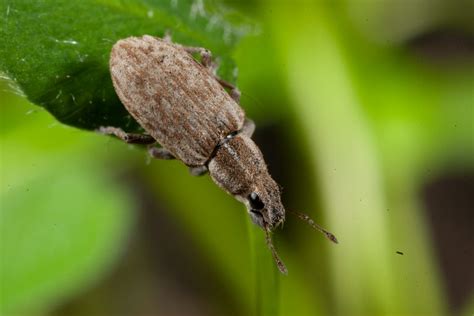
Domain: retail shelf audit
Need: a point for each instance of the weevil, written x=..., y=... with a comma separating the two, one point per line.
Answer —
x=195, y=116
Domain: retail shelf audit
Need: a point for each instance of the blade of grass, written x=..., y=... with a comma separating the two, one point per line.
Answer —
x=344, y=149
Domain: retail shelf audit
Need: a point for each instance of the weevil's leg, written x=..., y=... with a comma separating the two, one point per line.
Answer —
x=129, y=138
x=234, y=91
x=198, y=171
x=167, y=36
x=160, y=153
x=211, y=65
x=206, y=55
x=248, y=128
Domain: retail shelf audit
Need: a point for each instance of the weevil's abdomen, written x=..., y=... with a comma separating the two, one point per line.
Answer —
x=173, y=97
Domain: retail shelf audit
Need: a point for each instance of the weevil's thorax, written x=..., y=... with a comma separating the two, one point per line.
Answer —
x=238, y=168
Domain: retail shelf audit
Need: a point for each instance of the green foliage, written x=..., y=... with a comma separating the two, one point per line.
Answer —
x=57, y=52
x=59, y=245
x=62, y=220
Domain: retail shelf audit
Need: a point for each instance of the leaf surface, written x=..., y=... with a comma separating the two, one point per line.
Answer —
x=56, y=52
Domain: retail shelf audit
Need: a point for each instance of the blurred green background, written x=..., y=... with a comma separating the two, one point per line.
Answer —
x=365, y=115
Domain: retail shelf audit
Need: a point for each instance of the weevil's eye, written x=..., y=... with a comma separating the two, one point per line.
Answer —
x=255, y=202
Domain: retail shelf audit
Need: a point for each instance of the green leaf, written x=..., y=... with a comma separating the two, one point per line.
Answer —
x=56, y=52
x=57, y=241
x=63, y=220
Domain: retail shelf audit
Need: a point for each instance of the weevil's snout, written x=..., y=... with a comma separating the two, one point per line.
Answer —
x=266, y=210
x=264, y=205
x=264, y=218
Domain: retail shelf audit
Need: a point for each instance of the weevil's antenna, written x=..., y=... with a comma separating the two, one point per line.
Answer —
x=311, y=222
x=281, y=266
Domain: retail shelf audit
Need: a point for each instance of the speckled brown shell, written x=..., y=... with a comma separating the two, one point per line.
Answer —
x=173, y=97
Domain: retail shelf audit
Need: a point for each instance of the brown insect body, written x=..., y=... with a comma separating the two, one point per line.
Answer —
x=173, y=97
x=183, y=106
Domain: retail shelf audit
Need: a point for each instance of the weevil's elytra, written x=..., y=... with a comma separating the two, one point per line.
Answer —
x=175, y=99
x=184, y=107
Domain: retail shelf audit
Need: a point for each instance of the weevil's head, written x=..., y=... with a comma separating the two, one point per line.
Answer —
x=238, y=167
x=264, y=204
